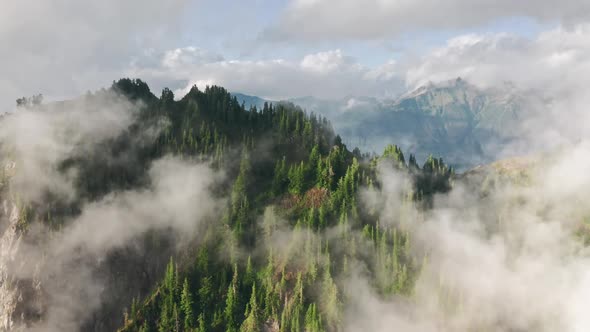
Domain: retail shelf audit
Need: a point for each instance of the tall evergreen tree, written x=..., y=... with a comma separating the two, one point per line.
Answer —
x=186, y=304
x=251, y=323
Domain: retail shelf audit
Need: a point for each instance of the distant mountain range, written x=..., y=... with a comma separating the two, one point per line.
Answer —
x=250, y=101
x=464, y=124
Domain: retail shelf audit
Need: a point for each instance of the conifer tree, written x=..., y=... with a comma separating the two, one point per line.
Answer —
x=251, y=323
x=231, y=303
x=186, y=304
x=312, y=319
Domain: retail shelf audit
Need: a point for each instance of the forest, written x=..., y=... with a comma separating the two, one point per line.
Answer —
x=290, y=230
x=311, y=197
x=124, y=211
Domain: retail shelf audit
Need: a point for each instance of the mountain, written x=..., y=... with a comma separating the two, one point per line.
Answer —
x=465, y=124
x=124, y=210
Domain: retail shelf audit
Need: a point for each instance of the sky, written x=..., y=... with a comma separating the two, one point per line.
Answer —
x=288, y=48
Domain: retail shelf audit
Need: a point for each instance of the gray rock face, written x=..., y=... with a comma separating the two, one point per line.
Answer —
x=9, y=243
x=20, y=297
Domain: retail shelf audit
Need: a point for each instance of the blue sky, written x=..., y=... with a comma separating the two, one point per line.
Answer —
x=286, y=48
x=233, y=27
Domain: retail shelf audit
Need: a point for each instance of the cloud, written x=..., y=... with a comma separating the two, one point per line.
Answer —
x=508, y=260
x=59, y=278
x=188, y=56
x=38, y=140
x=179, y=200
x=328, y=74
x=63, y=48
x=555, y=64
x=327, y=20
x=491, y=59
x=329, y=61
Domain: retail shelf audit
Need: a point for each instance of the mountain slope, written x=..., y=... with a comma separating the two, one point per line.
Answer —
x=123, y=210
x=192, y=214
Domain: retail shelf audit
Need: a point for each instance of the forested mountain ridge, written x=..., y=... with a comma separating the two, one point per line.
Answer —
x=286, y=176
x=126, y=211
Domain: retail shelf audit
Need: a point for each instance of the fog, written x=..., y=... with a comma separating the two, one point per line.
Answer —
x=60, y=265
x=508, y=256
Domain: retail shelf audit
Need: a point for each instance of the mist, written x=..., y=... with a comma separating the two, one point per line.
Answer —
x=508, y=255
x=52, y=276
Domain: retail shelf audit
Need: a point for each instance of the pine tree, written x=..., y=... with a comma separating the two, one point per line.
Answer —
x=201, y=324
x=251, y=323
x=395, y=154
x=296, y=179
x=330, y=301
x=205, y=294
x=186, y=304
x=176, y=319
x=231, y=303
x=250, y=274
x=165, y=323
x=280, y=177
x=313, y=322
x=311, y=169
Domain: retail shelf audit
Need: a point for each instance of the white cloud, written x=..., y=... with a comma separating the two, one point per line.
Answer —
x=329, y=74
x=65, y=47
x=490, y=264
x=556, y=63
x=328, y=61
x=180, y=57
x=38, y=141
x=318, y=20
x=66, y=264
